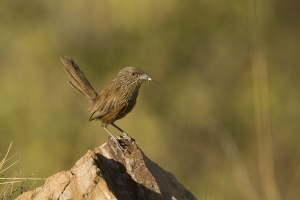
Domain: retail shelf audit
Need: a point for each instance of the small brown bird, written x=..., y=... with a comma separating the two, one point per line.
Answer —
x=115, y=101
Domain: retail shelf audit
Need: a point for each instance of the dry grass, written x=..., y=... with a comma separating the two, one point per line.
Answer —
x=14, y=185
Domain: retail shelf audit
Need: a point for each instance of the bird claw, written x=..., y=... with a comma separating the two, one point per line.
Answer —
x=118, y=142
x=120, y=147
x=126, y=136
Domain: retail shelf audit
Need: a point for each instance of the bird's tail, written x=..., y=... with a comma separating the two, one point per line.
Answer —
x=78, y=80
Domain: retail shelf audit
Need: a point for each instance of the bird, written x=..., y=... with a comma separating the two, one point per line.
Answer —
x=115, y=101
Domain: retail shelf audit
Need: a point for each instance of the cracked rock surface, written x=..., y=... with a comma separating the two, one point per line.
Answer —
x=107, y=173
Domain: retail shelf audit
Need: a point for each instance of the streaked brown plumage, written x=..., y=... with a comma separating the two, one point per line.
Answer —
x=115, y=101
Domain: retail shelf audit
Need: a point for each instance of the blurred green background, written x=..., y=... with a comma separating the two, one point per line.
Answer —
x=203, y=52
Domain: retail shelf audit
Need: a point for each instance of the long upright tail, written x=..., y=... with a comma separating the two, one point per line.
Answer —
x=78, y=80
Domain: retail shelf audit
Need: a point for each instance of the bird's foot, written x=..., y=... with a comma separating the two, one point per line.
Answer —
x=120, y=145
x=126, y=136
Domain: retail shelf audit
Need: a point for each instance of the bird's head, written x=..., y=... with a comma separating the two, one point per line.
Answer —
x=132, y=75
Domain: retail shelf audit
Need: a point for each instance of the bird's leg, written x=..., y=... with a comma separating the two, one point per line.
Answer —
x=115, y=140
x=123, y=132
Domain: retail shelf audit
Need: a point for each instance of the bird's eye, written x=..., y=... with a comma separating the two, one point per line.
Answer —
x=134, y=74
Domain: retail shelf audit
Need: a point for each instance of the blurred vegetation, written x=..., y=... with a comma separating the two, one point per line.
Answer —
x=201, y=51
x=13, y=185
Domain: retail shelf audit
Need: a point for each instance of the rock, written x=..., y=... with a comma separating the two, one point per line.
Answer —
x=107, y=173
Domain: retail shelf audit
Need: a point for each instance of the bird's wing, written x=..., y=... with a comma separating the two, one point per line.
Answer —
x=103, y=105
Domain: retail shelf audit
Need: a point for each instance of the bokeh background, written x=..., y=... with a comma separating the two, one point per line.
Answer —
x=226, y=122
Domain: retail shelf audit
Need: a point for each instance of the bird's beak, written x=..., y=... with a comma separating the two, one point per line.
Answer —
x=146, y=78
